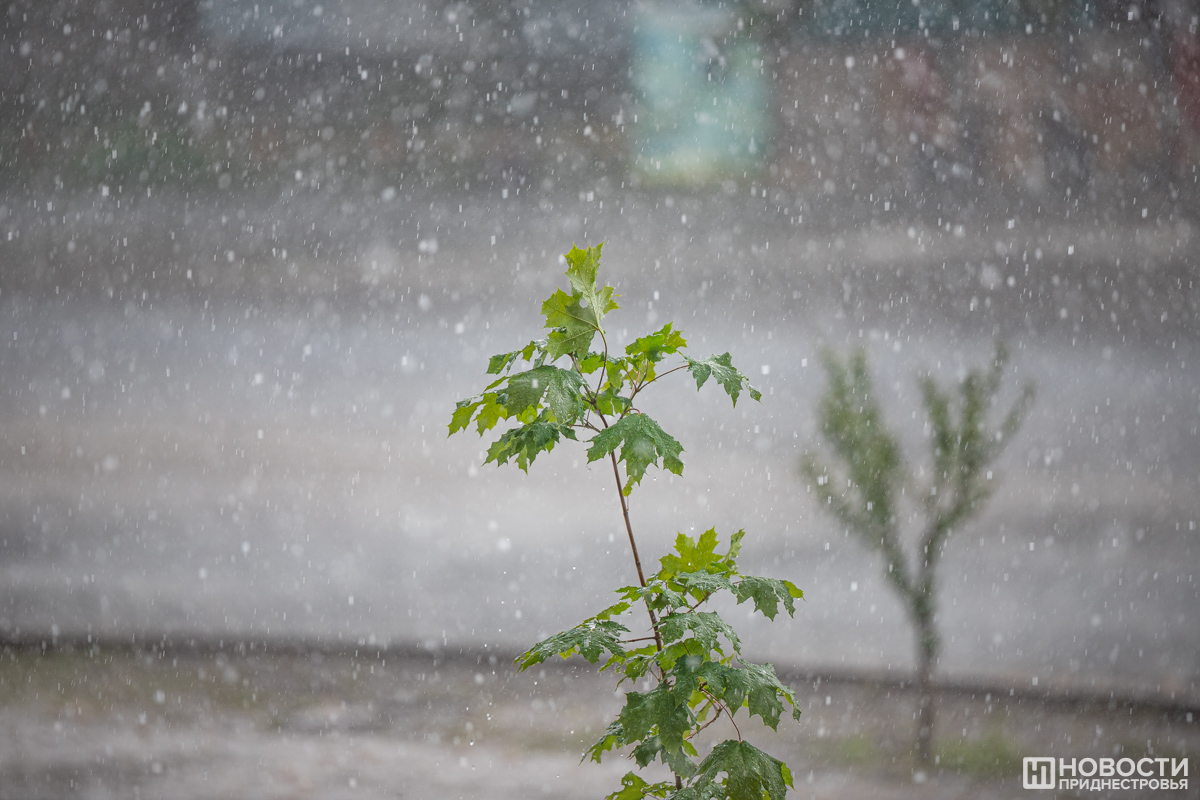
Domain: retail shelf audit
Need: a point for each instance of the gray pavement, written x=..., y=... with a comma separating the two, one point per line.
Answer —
x=259, y=450
x=180, y=724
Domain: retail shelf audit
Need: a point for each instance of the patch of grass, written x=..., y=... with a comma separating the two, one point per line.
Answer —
x=96, y=680
x=126, y=153
x=992, y=756
x=539, y=740
x=857, y=750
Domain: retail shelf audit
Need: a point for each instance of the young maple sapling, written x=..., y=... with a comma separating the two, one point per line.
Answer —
x=691, y=656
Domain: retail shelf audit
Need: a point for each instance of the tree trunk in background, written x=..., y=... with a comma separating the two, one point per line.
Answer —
x=926, y=656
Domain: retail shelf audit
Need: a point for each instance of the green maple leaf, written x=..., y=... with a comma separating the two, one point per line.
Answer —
x=582, y=266
x=767, y=593
x=636, y=663
x=702, y=584
x=490, y=412
x=722, y=370
x=610, y=403
x=656, y=346
x=590, y=640
x=661, y=713
x=765, y=691
x=754, y=685
x=706, y=628
x=710, y=791
x=576, y=318
x=560, y=387
x=634, y=788
x=615, y=371
x=729, y=684
x=526, y=442
x=486, y=410
x=525, y=390
x=522, y=396
x=573, y=326
x=502, y=361
x=615, y=610
x=644, y=710
x=735, y=547
x=563, y=395
x=677, y=759
x=750, y=774
x=667, y=658
x=591, y=362
x=700, y=555
x=658, y=593
x=464, y=410
x=614, y=737
x=642, y=443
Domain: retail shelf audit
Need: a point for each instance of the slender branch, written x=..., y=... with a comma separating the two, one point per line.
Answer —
x=638, y=377
x=638, y=639
x=724, y=708
x=628, y=527
x=637, y=389
x=603, y=363
x=575, y=364
x=637, y=560
x=590, y=399
x=665, y=374
x=715, y=717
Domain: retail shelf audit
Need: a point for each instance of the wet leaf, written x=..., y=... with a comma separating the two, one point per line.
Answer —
x=721, y=369
x=642, y=443
x=750, y=774
x=589, y=640
x=767, y=594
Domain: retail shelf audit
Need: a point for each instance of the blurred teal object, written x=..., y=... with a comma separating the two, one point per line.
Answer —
x=703, y=94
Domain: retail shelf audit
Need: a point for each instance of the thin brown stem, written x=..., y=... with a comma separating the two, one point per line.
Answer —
x=603, y=363
x=724, y=708
x=637, y=560
x=652, y=380
x=716, y=716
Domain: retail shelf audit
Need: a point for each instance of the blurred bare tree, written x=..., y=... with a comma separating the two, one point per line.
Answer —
x=867, y=477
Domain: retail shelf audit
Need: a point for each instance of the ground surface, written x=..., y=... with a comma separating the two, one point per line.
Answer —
x=259, y=449
x=205, y=438
x=186, y=724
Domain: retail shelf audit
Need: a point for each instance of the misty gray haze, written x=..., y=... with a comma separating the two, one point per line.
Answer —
x=252, y=253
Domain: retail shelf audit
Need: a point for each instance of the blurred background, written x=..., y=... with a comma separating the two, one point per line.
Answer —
x=252, y=252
